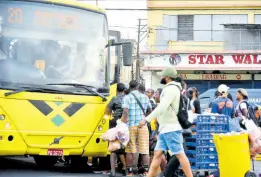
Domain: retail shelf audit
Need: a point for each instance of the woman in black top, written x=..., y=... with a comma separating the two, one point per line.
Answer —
x=115, y=106
x=192, y=94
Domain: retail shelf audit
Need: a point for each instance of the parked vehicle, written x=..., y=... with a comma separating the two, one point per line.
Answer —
x=254, y=97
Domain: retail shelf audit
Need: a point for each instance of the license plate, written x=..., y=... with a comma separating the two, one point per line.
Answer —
x=54, y=152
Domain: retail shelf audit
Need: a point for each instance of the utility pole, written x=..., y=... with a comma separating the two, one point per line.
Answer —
x=141, y=31
x=138, y=55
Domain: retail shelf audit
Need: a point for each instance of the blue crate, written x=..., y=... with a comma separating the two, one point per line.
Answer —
x=207, y=158
x=212, y=119
x=190, y=152
x=193, y=136
x=206, y=150
x=192, y=160
x=191, y=156
x=207, y=165
x=205, y=142
x=192, y=142
x=190, y=139
x=204, y=135
x=202, y=154
x=213, y=127
x=192, y=166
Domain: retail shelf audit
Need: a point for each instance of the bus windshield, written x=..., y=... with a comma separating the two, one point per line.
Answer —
x=43, y=43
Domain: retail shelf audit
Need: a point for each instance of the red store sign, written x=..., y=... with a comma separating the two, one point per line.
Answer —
x=205, y=62
x=245, y=59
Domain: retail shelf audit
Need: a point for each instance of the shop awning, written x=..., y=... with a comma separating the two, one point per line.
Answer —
x=242, y=26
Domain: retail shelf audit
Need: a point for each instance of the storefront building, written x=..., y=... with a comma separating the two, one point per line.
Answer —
x=206, y=71
x=209, y=42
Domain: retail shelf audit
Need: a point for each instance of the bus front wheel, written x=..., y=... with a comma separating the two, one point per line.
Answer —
x=45, y=161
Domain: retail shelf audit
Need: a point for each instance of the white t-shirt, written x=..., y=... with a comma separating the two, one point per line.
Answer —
x=192, y=104
x=242, y=105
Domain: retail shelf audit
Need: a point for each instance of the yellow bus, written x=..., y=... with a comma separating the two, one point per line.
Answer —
x=55, y=79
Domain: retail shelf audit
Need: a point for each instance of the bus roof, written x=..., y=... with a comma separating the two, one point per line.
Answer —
x=72, y=3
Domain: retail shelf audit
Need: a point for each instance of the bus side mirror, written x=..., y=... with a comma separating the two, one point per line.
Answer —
x=127, y=54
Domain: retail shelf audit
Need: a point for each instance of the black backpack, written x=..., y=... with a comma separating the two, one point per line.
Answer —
x=251, y=112
x=183, y=111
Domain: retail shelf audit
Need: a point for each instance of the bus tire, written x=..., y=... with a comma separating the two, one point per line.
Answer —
x=45, y=161
x=250, y=174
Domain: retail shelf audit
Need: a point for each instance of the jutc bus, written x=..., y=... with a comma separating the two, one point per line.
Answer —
x=55, y=79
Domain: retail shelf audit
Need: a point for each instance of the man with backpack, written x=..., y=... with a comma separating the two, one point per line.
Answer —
x=171, y=169
x=168, y=115
x=245, y=110
x=242, y=107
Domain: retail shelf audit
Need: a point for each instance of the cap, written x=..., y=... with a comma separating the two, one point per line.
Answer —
x=242, y=92
x=169, y=72
x=223, y=88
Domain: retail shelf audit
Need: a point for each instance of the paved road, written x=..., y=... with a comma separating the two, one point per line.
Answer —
x=25, y=167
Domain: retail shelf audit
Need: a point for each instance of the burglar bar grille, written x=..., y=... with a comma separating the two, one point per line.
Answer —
x=185, y=27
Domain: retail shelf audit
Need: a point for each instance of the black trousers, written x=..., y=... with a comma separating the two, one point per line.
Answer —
x=172, y=167
x=173, y=163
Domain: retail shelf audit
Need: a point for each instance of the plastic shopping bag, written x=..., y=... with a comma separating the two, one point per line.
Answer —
x=255, y=146
x=120, y=132
x=123, y=133
x=110, y=135
x=252, y=129
x=114, y=146
x=254, y=134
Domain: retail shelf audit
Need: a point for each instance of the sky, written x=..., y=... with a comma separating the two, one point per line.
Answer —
x=124, y=20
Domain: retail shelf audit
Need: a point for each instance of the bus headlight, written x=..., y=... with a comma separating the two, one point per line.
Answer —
x=2, y=117
x=100, y=128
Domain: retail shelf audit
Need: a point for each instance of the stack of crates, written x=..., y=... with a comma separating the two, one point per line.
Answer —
x=200, y=147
